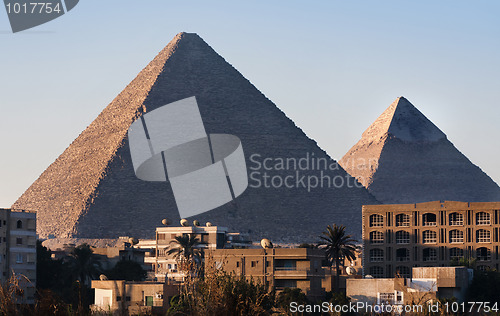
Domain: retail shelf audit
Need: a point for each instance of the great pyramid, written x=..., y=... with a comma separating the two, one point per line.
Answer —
x=404, y=158
x=91, y=190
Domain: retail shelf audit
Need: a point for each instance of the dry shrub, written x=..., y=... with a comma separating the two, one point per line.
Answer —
x=212, y=291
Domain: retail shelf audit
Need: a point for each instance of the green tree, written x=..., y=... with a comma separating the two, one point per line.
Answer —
x=289, y=295
x=127, y=270
x=463, y=262
x=184, y=247
x=485, y=287
x=338, y=245
x=84, y=265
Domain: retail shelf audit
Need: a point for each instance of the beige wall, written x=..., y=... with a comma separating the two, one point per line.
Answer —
x=121, y=294
x=276, y=267
x=366, y=290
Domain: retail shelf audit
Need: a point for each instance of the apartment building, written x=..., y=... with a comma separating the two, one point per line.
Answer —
x=401, y=236
x=4, y=249
x=276, y=267
x=18, y=251
x=210, y=237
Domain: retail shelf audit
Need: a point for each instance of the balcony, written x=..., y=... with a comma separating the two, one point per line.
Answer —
x=429, y=219
x=292, y=272
x=402, y=259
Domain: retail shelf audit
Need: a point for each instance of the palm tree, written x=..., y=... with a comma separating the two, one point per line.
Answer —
x=338, y=246
x=84, y=264
x=184, y=247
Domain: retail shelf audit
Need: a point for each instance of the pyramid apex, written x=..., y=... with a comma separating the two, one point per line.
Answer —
x=186, y=34
x=404, y=121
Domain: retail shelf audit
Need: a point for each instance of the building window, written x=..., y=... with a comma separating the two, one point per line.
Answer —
x=456, y=236
x=377, y=272
x=19, y=258
x=19, y=241
x=204, y=238
x=456, y=253
x=456, y=219
x=162, y=236
x=19, y=224
x=483, y=235
x=483, y=218
x=281, y=284
x=376, y=220
x=483, y=254
x=430, y=254
x=403, y=271
x=386, y=298
x=429, y=237
x=376, y=255
x=402, y=254
x=402, y=220
x=376, y=237
x=237, y=264
x=429, y=219
x=402, y=237
x=254, y=264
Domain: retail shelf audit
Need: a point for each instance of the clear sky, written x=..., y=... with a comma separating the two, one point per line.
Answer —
x=331, y=66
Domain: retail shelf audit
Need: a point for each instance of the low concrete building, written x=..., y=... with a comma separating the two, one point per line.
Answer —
x=426, y=285
x=450, y=281
x=118, y=296
x=111, y=255
x=276, y=267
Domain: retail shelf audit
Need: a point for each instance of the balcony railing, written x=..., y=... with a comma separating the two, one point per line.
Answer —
x=402, y=258
x=376, y=259
x=483, y=258
x=287, y=268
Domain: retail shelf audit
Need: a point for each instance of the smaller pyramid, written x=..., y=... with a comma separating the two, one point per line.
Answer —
x=404, y=158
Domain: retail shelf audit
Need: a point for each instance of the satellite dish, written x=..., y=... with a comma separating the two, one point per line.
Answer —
x=102, y=277
x=165, y=221
x=133, y=241
x=350, y=270
x=196, y=223
x=184, y=222
x=266, y=243
x=209, y=224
